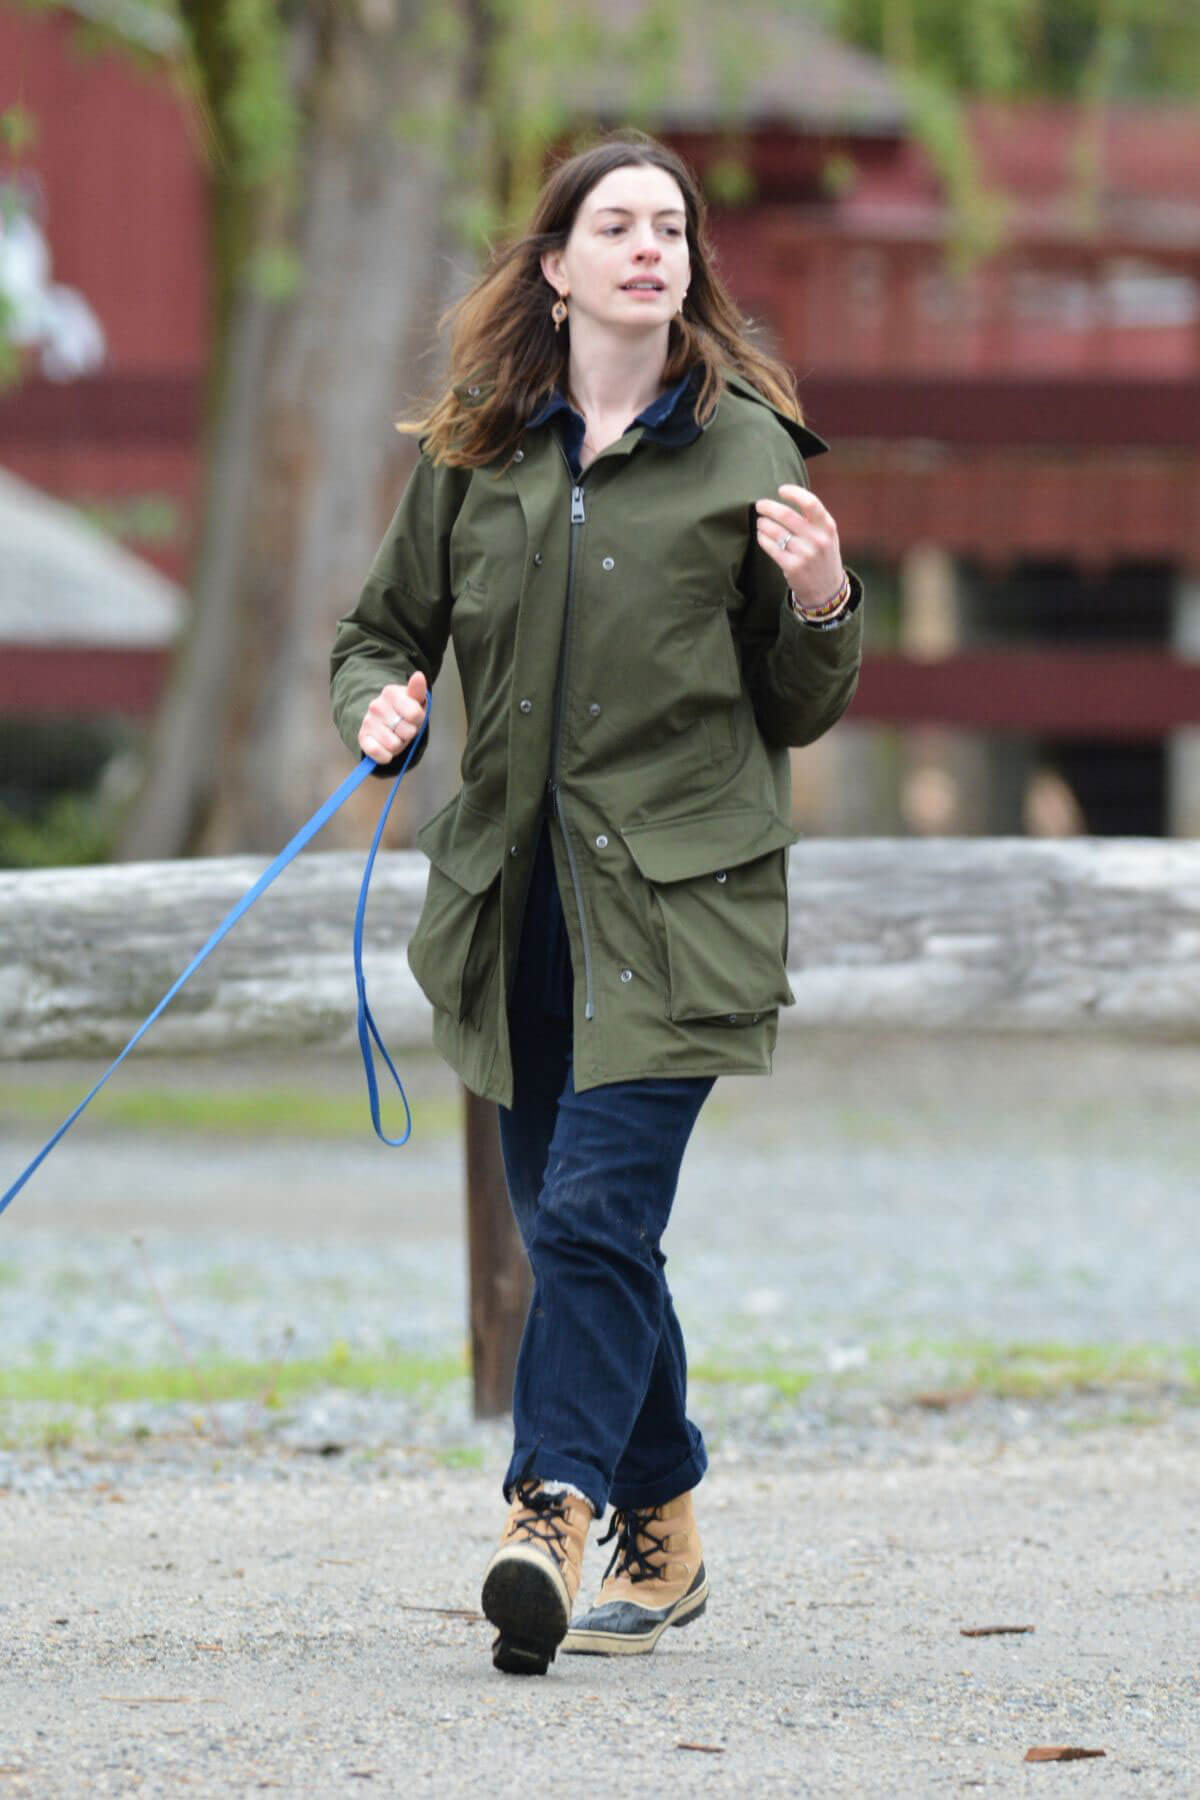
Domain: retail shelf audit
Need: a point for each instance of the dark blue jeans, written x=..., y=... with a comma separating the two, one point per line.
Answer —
x=600, y=1393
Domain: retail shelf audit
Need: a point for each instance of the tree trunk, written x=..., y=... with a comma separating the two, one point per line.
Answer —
x=306, y=466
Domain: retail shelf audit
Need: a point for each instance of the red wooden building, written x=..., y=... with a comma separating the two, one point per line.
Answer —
x=116, y=181
x=1017, y=458
x=1017, y=450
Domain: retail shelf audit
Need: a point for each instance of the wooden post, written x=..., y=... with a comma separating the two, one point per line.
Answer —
x=499, y=1279
x=1183, y=746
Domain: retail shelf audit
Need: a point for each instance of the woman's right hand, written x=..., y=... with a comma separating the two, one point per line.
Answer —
x=393, y=719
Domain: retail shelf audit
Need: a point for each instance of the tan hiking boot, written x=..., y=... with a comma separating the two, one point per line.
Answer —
x=530, y=1584
x=656, y=1578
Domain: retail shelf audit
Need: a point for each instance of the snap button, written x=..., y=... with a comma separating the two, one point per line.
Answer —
x=602, y=842
x=626, y=974
x=527, y=706
x=518, y=456
x=514, y=849
x=538, y=558
x=594, y=710
x=720, y=875
x=608, y=563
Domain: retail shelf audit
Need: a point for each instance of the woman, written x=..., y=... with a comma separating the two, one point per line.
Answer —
x=611, y=519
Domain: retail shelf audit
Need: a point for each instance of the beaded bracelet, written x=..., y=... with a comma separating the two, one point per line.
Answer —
x=818, y=614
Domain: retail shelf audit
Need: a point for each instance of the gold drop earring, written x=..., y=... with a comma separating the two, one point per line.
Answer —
x=558, y=312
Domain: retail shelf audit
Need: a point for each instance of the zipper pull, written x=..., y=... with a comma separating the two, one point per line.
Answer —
x=577, y=506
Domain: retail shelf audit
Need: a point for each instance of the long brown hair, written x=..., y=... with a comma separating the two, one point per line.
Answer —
x=505, y=355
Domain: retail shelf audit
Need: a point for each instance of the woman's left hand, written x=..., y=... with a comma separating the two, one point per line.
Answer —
x=809, y=554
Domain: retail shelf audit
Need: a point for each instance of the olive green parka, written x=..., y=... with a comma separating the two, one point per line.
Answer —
x=629, y=663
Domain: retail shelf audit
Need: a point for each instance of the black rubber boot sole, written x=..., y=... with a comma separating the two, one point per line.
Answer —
x=525, y=1606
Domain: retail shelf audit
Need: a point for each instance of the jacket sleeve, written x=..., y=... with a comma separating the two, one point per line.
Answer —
x=800, y=677
x=401, y=621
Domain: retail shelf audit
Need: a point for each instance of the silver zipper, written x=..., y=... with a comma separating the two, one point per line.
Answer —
x=556, y=800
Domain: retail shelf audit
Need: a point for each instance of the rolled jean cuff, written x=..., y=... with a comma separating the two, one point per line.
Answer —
x=685, y=1476
x=548, y=1467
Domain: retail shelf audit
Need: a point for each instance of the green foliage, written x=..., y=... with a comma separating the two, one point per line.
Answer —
x=1092, y=52
x=275, y=271
x=10, y=355
x=937, y=116
x=839, y=174
x=139, y=519
x=18, y=129
x=256, y=107
x=1080, y=49
x=68, y=832
x=729, y=181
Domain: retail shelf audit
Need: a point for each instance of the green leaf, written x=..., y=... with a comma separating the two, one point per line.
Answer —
x=276, y=272
x=18, y=128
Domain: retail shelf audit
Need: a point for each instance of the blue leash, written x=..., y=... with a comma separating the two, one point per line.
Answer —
x=367, y=1028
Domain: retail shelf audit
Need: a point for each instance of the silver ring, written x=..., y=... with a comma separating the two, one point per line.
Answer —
x=396, y=721
x=786, y=539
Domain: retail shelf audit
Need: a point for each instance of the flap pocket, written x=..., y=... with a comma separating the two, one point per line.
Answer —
x=720, y=887
x=465, y=844
x=678, y=849
x=454, y=950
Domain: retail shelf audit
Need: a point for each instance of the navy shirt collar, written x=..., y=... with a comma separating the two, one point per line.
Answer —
x=667, y=420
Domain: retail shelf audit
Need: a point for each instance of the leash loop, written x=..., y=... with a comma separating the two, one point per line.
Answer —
x=367, y=1028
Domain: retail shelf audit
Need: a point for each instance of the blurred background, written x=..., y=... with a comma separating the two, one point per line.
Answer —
x=228, y=227
x=227, y=231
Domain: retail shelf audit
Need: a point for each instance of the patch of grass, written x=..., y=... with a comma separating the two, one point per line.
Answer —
x=1013, y=1371
x=230, y=1285
x=97, y=1384
x=1023, y=1370
x=1040, y=1370
x=248, y=1112
x=788, y=1382
x=1046, y=1368
x=67, y=1283
x=460, y=1456
x=1134, y=1415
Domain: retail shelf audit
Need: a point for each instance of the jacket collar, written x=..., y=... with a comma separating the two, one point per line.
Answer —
x=670, y=419
x=805, y=439
x=667, y=420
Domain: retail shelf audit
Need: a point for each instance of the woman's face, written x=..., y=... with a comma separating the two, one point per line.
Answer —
x=630, y=228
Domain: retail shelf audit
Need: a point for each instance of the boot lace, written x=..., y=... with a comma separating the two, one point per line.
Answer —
x=546, y=1515
x=629, y=1558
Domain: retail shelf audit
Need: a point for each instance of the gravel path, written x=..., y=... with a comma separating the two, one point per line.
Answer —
x=220, y=1597
x=260, y=1624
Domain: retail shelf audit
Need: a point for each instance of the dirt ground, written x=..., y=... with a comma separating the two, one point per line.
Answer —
x=182, y=1611
x=257, y=1624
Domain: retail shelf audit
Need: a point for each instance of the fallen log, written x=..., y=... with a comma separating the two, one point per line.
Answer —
x=1090, y=935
